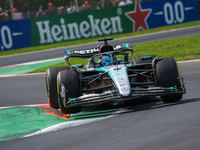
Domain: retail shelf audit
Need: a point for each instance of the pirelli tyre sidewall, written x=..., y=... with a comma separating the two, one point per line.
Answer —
x=51, y=85
x=69, y=79
x=167, y=75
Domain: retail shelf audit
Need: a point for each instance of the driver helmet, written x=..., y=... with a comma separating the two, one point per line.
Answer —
x=106, y=61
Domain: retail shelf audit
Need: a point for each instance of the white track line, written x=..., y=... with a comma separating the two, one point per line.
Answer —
x=33, y=105
x=70, y=124
x=189, y=61
x=35, y=62
x=18, y=75
x=66, y=125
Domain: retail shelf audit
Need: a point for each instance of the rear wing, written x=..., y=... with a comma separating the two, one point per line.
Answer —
x=123, y=46
x=87, y=53
x=81, y=53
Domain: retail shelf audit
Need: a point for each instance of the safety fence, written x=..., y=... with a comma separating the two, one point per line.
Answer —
x=29, y=8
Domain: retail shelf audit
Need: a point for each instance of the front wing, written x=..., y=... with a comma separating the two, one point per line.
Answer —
x=112, y=96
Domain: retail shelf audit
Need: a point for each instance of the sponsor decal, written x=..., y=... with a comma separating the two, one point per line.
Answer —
x=162, y=13
x=139, y=17
x=125, y=89
x=120, y=78
x=70, y=31
x=88, y=51
x=14, y=34
x=175, y=12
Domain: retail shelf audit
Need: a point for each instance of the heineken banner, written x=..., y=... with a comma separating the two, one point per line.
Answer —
x=15, y=34
x=130, y=18
x=101, y=23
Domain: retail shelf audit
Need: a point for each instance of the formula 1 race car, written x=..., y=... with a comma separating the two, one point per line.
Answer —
x=111, y=77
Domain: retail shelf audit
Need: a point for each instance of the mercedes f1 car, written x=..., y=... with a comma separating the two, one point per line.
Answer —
x=111, y=77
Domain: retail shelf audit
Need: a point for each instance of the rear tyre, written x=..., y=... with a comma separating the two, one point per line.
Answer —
x=168, y=76
x=68, y=83
x=51, y=85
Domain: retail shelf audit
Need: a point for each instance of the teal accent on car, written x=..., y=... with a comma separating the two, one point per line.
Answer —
x=77, y=65
x=171, y=89
x=103, y=69
x=119, y=73
x=146, y=57
x=74, y=99
x=127, y=45
x=68, y=52
x=127, y=66
x=112, y=77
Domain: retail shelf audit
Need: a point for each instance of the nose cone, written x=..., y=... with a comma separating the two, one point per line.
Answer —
x=121, y=80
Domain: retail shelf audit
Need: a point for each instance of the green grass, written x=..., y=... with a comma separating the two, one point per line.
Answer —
x=85, y=41
x=186, y=48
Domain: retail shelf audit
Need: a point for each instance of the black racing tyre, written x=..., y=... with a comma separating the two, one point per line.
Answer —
x=51, y=85
x=143, y=59
x=168, y=76
x=68, y=79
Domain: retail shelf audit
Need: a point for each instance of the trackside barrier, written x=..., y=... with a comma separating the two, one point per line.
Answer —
x=67, y=27
x=15, y=34
x=199, y=7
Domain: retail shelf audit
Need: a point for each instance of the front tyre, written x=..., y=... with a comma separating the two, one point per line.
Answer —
x=68, y=85
x=168, y=76
x=51, y=85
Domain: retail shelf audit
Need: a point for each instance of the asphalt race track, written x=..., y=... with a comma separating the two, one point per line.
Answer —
x=147, y=124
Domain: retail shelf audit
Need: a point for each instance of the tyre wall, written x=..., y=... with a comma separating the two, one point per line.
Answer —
x=131, y=18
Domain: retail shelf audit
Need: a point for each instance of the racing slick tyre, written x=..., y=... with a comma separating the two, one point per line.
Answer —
x=143, y=59
x=51, y=85
x=168, y=76
x=68, y=85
